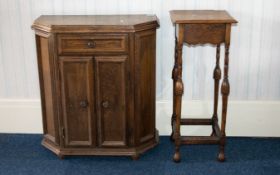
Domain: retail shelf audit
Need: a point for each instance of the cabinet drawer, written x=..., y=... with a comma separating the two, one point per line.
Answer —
x=92, y=43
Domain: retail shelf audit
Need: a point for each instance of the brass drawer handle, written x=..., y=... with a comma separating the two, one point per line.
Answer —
x=105, y=104
x=91, y=44
x=84, y=104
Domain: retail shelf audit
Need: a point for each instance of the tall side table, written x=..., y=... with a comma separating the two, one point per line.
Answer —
x=201, y=27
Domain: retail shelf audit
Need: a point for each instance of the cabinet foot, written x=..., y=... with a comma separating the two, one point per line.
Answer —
x=61, y=156
x=135, y=157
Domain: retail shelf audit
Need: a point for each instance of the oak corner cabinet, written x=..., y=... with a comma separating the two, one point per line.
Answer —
x=97, y=82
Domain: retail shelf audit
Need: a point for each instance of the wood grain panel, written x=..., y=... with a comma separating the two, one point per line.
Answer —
x=204, y=33
x=92, y=43
x=111, y=83
x=201, y=17
x=145, y=84
x=77, y=96
x=47, y=89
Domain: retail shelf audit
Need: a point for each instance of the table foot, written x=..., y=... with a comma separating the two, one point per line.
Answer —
x=221, y=157
x=177, y=157
x=60, y=156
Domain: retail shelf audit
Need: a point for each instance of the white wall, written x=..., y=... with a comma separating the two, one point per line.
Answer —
x=254, y=59
x=245, y=118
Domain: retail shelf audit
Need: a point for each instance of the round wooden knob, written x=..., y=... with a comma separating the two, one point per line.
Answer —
x=84, y=103
x=105, y=104
x=91, y=44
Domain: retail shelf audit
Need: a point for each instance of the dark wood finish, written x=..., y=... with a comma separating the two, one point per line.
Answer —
x=94, y=23
x=47, y=86
x=201, y=17
x=77, y=100
x=201, y=27
x=216, y=129
x=111, y=83
x=178, y=90
x=216, y=76
x=225, y=90
x=204, y=33
x=196, y=121
x=71, y=44
x=193, y=140
x=97, y=80
x=145, y=81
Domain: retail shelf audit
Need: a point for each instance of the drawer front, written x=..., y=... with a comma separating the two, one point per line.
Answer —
x=92, y=43
x=205, y=33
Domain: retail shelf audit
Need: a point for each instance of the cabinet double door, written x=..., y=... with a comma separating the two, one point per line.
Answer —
x=94, y=91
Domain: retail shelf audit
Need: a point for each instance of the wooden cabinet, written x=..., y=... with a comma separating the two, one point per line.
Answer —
x=97, y=80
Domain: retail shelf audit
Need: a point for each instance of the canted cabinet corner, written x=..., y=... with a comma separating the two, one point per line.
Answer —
x=97, y=83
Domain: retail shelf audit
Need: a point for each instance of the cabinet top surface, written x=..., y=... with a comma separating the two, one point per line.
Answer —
x=200, y=16
x=124, y=22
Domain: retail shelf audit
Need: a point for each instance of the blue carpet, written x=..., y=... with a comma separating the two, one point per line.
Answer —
x=23, y=154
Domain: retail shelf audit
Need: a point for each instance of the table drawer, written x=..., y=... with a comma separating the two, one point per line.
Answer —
x=204, y=33
x=92, y=43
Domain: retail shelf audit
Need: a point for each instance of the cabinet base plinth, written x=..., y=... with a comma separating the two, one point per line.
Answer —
x=133, y=152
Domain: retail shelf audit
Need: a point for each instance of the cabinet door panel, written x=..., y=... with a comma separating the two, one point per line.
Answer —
x=77, y=94
x=111, y=99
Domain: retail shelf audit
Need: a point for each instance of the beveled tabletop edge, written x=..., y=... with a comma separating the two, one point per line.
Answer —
x=56, y=28
x=201, y=21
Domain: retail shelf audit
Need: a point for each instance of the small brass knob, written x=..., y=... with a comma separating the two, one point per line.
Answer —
x=84, y=104
x=105, y=104
x=91, y=44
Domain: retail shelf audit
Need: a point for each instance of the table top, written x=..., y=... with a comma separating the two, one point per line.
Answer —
x=200, y=16
x=95, y=20
x=94, y=23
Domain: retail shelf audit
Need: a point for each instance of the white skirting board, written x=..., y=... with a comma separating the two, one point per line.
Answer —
x=245, y=118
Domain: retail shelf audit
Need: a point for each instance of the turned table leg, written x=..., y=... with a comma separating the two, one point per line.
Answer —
x=217, y=77
x=179, y=88
x=174, y=75
x=178, y=93
x=225, y=92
